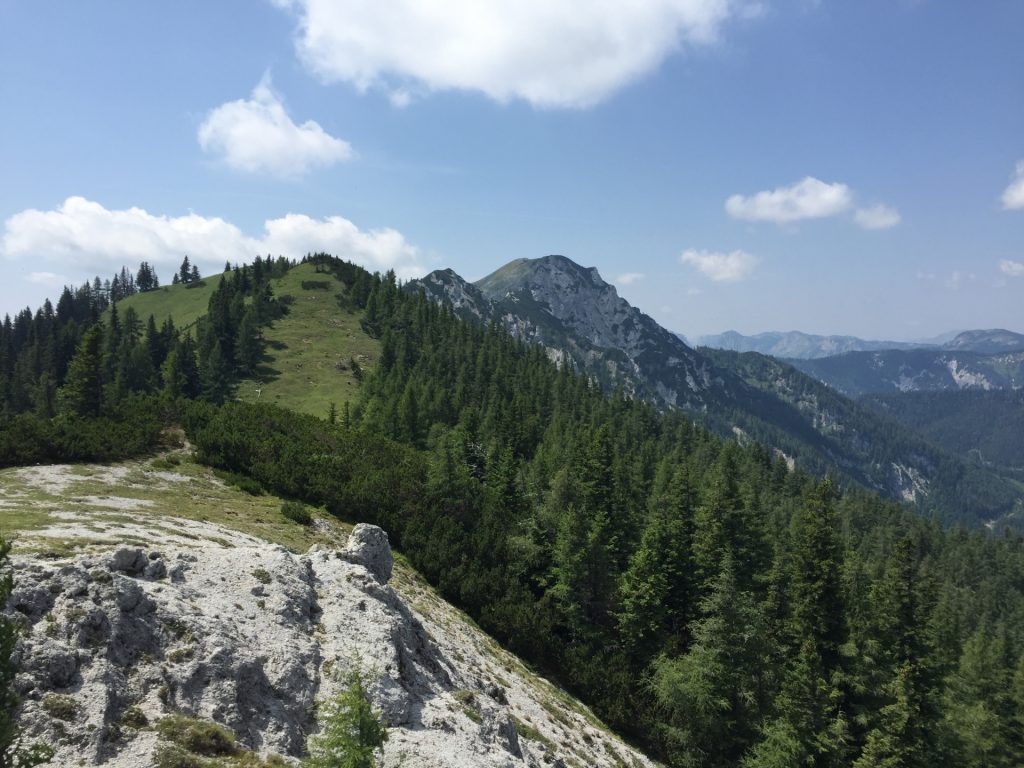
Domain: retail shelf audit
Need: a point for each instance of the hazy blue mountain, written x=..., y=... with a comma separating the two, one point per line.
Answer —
x=992, y=341
x=797, y=345
x=985, y=426
x=917, y=370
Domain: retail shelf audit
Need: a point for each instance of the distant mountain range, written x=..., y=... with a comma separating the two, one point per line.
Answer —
x=580, y=318
x=917, y=370
x=797, y=345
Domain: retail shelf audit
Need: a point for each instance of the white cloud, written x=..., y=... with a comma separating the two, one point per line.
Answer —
x=877, y=217
x=809, y=198
x=1012, y=268
x=550, y=53
x=95, y=240
x=628, y=278
x=720, y=267
x=258, y=136
x=47, y=278
x=1013, y=195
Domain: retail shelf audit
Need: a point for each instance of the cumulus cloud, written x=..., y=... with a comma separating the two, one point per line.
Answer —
x=720, y=267
x=809, y=198
x=1013, y=195
x=877, y=217
x=1012, y=268
x=550, y=53
x=256, y=135
x=95, y=239
x=628, y=278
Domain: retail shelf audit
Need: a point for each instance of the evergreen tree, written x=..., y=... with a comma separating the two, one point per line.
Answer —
x=215, y=375
x=905, y=716
x=710, y=694
x=82, y=392
x=247, y=343
x=180, y=372
x=351, y=731
x=185, y=271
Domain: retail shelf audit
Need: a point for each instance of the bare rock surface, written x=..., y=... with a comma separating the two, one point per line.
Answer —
x=222, y=626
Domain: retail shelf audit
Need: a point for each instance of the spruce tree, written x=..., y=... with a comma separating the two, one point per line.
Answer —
x=185, y=271
x=351, y=734
x=82, y=393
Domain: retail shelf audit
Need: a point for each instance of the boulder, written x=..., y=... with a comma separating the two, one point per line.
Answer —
x=368, y=546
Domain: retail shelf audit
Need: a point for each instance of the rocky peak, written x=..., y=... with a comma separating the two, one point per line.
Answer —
x=444, y=285
x=542, y=278
x=576, y=315
x=225, y=628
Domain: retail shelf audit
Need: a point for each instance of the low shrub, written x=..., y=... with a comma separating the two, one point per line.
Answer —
x=297, y=512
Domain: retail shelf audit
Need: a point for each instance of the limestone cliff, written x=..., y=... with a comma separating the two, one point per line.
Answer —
x=199, y=619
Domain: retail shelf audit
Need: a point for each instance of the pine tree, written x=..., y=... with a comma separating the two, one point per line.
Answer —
x=710, y=693
x=247, y=342
x=82, y=392
x=351, y=733
x=215, y=375
x=905, y=714
x=185, y=271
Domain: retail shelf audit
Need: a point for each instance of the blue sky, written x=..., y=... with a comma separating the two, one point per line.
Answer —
x=829, y=166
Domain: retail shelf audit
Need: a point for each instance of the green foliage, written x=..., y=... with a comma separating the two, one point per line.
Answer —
x=60, y=706
x=351, y=732
x=778, y=619
x=129, y=430
x=985, y=426
x=701, y=596
x=201, y=737
x=83, y=390
x=296, y=512
x=710, y=695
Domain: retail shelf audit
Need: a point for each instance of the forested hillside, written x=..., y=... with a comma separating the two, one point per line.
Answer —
x=986, y=426
x=707, y=600
x=917, y=370
x=578, y=317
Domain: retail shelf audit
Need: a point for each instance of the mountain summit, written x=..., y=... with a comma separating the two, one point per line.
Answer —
x=575, y=314
x=578, y=317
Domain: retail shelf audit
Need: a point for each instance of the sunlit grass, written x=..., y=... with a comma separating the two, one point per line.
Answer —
x=102, y=499
x=308, y=351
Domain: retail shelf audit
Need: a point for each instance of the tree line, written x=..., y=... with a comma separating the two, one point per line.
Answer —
x=708, y=601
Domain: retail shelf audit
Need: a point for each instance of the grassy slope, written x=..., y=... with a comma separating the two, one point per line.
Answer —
x=183, y=303
x=34, y=498
x=301, y=369
x=304, y=349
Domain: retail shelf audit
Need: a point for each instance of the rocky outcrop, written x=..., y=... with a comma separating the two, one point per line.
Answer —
x=576, y=315
x=251, y=636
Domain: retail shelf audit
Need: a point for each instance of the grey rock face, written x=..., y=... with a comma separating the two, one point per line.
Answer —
x=252, y=636
x=576, y=315
x=368, y=546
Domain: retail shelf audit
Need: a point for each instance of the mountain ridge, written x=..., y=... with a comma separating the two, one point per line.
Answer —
x=797, y=345
x=578, y=317
x=172, y=616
